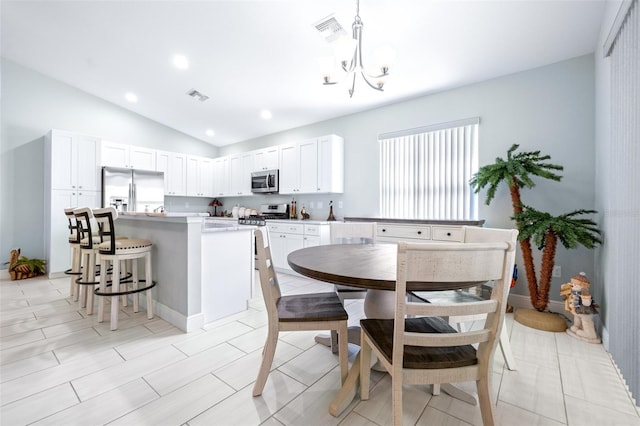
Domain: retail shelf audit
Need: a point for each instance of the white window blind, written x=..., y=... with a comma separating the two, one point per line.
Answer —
x=425, y=172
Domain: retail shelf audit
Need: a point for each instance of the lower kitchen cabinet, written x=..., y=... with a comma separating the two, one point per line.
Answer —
x=288, y=236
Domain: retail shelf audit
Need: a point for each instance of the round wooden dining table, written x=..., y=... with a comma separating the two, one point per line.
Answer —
x=369, y=266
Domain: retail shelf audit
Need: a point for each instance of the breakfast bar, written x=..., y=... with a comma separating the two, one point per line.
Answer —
x=203, y=266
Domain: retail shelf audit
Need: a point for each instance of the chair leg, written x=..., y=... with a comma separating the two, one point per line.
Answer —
x=267, y=359
x=91, y=277
x=115, y=300
x=149, y=281
x=134, y=283
x=343, y=351
x=505, y=348
x=82, y=289
x=365, y=367
x=484, y=398
x=334, y=341
x=396, y=395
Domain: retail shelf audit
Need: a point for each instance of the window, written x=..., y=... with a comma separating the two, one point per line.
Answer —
x=425, y=172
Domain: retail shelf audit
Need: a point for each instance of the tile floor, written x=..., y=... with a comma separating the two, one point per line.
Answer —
x=61, y=367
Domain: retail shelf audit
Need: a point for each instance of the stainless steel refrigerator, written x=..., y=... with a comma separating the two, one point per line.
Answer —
x=132, y=190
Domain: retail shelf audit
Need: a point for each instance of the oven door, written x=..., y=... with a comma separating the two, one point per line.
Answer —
x=266, y=181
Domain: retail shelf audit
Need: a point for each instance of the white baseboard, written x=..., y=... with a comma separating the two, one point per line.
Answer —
x=184, y=323
x=4, y=274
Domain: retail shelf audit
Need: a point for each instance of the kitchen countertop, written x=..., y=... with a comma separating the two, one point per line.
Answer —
x=416, y=221
x=307, y=222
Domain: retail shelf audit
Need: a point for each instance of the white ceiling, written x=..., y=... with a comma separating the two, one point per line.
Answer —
x=250, y=55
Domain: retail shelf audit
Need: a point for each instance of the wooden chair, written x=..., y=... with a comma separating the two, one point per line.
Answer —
x=424, y=348
x=472, y=234
x=316, y=311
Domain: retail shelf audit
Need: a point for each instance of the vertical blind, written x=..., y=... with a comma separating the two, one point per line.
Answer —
x=621, y=213
x=425, y=172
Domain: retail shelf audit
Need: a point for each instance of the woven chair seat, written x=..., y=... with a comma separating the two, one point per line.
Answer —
x=311, y=307
x=129, y=245
x=381, y=330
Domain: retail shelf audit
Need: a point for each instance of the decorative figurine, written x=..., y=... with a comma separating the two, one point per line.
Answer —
x=577, y=300
x=303, y=213
x=331, y=216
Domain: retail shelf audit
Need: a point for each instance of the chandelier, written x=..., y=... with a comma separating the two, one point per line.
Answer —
x=348, y=51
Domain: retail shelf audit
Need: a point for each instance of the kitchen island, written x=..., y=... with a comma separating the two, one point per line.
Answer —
x=203, y=266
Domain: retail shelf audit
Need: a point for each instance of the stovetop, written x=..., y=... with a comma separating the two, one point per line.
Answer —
x=260, y=220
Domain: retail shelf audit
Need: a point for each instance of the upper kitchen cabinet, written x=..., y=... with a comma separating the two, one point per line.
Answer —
x=312, y=166
x=200, y=176
x=128, y=156
x=240, y=168
x=266, y=159
x=221, y=177
x=74, y=160
x=174, y=166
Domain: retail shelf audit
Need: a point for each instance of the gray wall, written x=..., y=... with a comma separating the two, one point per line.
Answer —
x=549, y=109
x=31, y=105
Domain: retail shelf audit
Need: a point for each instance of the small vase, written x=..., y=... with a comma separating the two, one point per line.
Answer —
x=331, y=216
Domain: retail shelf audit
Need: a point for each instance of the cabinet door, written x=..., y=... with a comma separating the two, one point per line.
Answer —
x=292, y=242
x=177, y=174
x=162, y=165
x=192, y=176
x=240, y=168
x=289, y=169
x=308, y=166
x=115, y=154
x=267, y=158
x=88, y=170
x=221, y=176
x=311, y=241
x=142, y=158
x=206, y=177
x=331, y=164
x=63, y=174
x=58, y=252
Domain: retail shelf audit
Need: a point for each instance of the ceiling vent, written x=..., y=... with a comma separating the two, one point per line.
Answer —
x=330, y=28
x=197, y=95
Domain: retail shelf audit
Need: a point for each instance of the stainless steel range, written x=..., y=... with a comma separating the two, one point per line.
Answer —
x=267, y=211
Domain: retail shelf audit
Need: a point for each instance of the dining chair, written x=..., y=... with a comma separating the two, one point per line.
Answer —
x=315, y=311
x=350, y=233
x=472, y=234
x=418, y=346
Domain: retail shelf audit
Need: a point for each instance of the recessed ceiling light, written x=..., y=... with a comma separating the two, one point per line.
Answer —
x=266, y=114
x=210, y=133
x=131, y=97
x=181, y=62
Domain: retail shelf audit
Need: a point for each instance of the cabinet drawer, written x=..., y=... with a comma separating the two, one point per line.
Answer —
x=404, y=232
x=312, y=230
x=442, y=233
x=289, y=228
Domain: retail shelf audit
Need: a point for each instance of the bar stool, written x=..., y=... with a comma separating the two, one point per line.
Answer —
x=74, y=243
x=113, y=251
x=88, y=257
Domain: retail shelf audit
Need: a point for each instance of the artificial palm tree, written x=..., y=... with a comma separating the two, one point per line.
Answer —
x=545, y=230
x=516, y=171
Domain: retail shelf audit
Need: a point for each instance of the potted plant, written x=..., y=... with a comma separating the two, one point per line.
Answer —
x=544, y=229
x=21, y=267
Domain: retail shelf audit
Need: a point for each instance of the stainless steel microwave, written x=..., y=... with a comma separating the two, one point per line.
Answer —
x=265, y=181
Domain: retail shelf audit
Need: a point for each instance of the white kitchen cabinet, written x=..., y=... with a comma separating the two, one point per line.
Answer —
x=240, y=168
x=128, y=156
x=266, y=158
x=312, y=166
x=174, y=166
x=393, y=232
x=221, y=177
x=288, y=236
x=200, y=176
x=73, y=161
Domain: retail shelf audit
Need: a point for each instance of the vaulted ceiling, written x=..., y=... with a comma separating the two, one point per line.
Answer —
x=247, y=56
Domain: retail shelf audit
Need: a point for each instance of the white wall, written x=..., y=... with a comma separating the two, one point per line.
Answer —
x=550, y=109
x=31, y=105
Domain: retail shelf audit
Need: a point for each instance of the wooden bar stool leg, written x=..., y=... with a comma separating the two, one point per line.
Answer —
x=115, y=300
x=148, y=278
x=104, y=274
x=92, y=277
x=134, y=283
x=124, y=270
x=85, y=277
x=76, y=261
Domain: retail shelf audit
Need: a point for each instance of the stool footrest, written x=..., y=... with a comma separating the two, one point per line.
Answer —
x=70, y=272
x=97, y=291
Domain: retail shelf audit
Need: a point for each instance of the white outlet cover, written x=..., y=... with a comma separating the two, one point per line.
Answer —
x=319, y=204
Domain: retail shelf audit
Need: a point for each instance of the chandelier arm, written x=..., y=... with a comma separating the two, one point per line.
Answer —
x=353, y=86
x=376, y=87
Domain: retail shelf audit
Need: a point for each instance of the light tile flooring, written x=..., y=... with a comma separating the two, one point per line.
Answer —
x=61, y=367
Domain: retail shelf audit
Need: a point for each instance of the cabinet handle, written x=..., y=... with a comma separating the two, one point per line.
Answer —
x=419, y=232
x=448, y=234
x=80, y=186
x=73, y=186
x=384, y=230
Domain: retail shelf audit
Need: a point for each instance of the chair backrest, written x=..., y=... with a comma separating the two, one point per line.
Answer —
x=353, y=232
x=74, y=234
x=465, y=263
x=268, y=278
x=105, y=218
x=84, y=217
